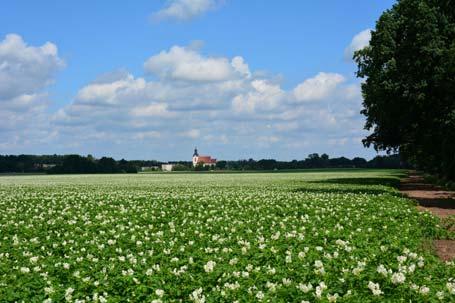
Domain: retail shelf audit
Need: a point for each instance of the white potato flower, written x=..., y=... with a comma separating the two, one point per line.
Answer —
x=159, y=292
x=305, y=287
x=451, y=287
x=375, y=289
x=398, y=278
x=209, y=266
x=382, y=270
x=260, y=295
x=424, y=290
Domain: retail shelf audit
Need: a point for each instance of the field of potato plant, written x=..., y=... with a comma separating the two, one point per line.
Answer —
x=333, y=236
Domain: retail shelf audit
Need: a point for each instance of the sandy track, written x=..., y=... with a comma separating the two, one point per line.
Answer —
x=436, y=200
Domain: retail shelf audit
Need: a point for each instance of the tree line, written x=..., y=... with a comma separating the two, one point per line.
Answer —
x=312, y=161
x=68, y=164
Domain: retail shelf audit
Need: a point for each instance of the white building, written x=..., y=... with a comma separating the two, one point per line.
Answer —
x=202, y=160
x=167, y=167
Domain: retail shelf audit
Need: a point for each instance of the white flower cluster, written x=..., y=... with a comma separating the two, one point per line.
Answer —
x=209, y=266
x=197, y=296
x=375, y=289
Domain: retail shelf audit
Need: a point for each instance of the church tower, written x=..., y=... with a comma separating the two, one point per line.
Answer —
x=195, y=156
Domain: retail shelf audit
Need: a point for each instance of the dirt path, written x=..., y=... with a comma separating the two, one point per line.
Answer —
x=436, y=200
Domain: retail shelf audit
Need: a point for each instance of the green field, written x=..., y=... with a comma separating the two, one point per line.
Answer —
x=317, y=236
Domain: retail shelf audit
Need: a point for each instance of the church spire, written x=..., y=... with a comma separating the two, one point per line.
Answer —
x=195, y=152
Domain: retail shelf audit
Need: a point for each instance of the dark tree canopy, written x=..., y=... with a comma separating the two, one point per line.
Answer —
x=409, y=88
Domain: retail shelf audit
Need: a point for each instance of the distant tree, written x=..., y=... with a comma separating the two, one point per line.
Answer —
x=341, y=162
x=127, y=167
x=180, y=167
x=389, y=161
x=251, y=164
x=409, y=88
x=221, y=164
x=324, y=161
x=75, y=164
x=313, y=161
x=359, y=162
x=107, y=165
x=201, y=167
x=266, y=164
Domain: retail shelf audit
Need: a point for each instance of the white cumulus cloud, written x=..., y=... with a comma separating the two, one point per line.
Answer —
x=191, y=133
x=185, y=9
x=181, y=63
x=25, y=72
x=151, y=110
x=358, y=42
x=317, y=88
x=263, y=96
x=240, y=66
x=26, y=69
x=109, y=92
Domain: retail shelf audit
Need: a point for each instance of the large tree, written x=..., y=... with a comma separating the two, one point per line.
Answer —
x=409, y=83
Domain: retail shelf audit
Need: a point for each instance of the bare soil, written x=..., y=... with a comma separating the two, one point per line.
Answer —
x=432, y=198
x=436, y=200
x=445, y=249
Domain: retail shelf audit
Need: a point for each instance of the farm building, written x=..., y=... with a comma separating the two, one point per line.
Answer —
x=202, y=160
x=167, y=167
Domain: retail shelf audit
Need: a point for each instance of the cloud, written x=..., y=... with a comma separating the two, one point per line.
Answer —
x=184, y=10
x=240, y=66
x=191, y=133
x=180, y=63
x=26, y=69
x=267, y=140
x=338, y=141
x=151, y=110
x=263, y=96
x=358, y=42
x=147, y=135
x=286, y=126
x=25, y=102
x=219, y=138
x=110, y=92
x=25, y=72
x=317, y=88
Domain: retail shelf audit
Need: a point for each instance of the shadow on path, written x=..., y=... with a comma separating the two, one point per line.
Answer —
x=433, y=198
x=436, y=200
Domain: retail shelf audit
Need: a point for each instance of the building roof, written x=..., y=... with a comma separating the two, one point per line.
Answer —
x=205, y=159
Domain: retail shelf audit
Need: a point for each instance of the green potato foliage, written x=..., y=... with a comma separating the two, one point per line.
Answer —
x=259, y=237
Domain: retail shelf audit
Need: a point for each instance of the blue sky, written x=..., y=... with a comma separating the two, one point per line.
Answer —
x=153, y=79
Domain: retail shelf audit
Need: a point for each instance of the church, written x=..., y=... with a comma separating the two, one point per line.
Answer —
x=202, y=160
